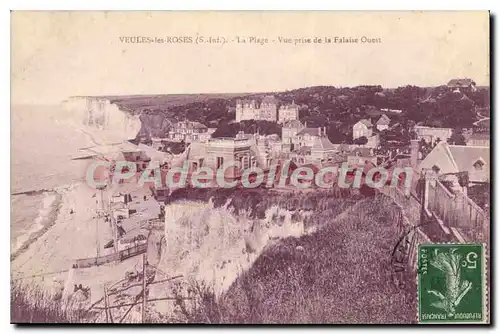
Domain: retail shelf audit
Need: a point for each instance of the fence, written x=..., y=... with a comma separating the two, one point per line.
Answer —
x=458, y=211
x=407, y=202
x=118, y=256
x=405, y=254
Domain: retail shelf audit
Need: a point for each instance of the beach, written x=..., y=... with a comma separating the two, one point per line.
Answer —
x=71, y=236
x=47, y=185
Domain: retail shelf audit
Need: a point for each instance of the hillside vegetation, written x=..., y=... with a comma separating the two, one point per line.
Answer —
x=339, y=274
x=337, y=108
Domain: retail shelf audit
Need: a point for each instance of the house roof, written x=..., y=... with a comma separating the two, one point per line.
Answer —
x=309, y=131
x=198, y=125
x=363, y=151
x=155, y=155
x=366, y=122
x=384, y=120
x=141, y=234
x=461, y=82
x=303, y=150
x=323, y=143
x=466, y=156
x=191, y=125
x=295, y=124
x=455, y=158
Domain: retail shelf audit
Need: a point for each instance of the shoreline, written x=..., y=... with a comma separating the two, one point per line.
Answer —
x=70, y=233
x=40, y=228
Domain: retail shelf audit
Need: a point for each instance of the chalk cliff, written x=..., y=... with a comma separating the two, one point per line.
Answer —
x=101, y=119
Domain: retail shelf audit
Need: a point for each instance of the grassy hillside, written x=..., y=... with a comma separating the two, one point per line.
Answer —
x=30, y=305
x=339, y=274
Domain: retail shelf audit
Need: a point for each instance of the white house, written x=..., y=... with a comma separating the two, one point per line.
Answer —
x=445, y=159
x=383, y=122
x=362, y=128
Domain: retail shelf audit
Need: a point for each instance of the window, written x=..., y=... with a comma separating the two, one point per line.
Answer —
x=479, y=164
x=245, y=162
x=436, y=169
x=220, y=162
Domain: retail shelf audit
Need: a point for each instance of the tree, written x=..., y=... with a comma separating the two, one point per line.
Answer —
x=361, y=140
x=457, y=137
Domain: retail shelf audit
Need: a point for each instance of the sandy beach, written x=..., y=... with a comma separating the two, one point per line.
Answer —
x=73, y=235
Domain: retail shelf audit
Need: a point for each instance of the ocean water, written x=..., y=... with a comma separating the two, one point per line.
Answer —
x=43, y=141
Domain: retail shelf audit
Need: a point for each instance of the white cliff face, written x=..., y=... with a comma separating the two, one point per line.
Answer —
x=102, y=120
x=214, y=245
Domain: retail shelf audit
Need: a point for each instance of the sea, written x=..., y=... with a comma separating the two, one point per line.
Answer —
x=44, y=139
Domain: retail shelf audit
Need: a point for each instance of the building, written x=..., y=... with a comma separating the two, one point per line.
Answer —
x=394, y=111
x=307, y=136
x=188, y=132
x=462, y=85
x=360, y=156
x=311, y=145
x=323, y=150
x=449, y=159
x=373, y=141
x=288, y=132
x=250, y=110
x=383, y=123
x=157, y=142
x=362, y=128
x=139, y=157
x=243, y=149
x=289, y=112
x=430, y=135
x=478, y=139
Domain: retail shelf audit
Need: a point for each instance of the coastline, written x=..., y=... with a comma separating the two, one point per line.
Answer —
x=64, y=237
x=39, y=228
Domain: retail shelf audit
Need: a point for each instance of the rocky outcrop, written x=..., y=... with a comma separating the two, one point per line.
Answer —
x=153, y=124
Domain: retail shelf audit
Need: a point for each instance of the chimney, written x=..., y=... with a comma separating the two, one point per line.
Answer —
x=319, y=131
x=324, y=130
x=414, y=148
x=305, y=124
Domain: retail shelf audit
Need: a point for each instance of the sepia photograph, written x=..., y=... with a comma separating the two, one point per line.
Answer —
x=250, y=167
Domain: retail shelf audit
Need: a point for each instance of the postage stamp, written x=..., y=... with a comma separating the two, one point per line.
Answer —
x=451, y=283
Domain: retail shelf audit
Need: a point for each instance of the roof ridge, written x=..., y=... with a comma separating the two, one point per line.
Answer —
x=448, y=152
x=471, y=146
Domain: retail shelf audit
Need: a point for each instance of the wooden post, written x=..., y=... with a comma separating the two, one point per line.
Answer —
x=144, y=295
x=97, y=236
x=106, y=304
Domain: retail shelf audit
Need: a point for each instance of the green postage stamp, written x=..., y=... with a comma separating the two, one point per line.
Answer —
x=451, y=283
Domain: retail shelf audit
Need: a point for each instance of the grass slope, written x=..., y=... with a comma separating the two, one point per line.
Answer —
x=339, y=274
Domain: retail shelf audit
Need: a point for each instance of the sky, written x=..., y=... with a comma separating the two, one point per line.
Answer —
x=55, y=55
